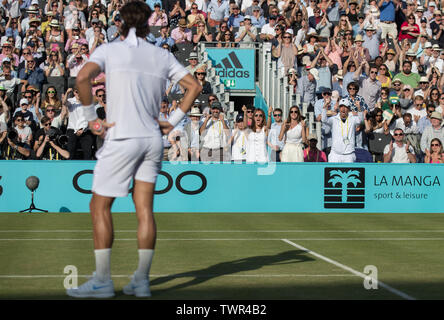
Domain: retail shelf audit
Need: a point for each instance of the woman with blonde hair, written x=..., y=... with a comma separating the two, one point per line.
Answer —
x=295, y=133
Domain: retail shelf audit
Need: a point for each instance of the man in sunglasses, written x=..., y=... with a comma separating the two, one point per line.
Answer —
x=274, y=143
x=370, y=87
x=343, y=130
x=18, y=139
x=56, y=121
x=397, y=151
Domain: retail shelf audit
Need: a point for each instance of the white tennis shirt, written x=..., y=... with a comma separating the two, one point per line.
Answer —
x=136, y=75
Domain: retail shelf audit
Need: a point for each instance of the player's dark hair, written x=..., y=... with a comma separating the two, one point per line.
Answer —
x=135, y=14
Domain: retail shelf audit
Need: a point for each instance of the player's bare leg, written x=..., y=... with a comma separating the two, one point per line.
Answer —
x=146, y=237
x=100, y=285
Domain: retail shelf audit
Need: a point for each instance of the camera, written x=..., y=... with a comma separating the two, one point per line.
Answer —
x=12, y=135
x=55, y=135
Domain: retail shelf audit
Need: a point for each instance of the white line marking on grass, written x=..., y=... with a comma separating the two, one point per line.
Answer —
x=353, y=271
x=231, y=239
x=188, y=275
x=231, y=231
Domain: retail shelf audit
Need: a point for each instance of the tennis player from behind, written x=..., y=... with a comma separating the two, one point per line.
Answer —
x=136, y=77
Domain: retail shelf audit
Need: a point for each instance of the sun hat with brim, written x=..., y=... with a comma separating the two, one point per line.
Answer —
x=411, y=53
x=54, y=23
x=436, y=115
x=34, y=20
x=359, y=38
x=315, y=73
x=195, y=112
x=436, y=47
x=424, y=80
x=391, y=51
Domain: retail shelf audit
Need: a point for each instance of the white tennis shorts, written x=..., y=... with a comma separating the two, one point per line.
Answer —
x=120, y=161
x=343, y=158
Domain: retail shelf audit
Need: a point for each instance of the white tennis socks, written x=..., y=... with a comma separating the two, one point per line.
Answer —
x=145, y=258
x=103, y=264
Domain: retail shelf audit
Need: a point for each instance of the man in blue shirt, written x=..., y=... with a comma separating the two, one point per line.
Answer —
x=387, y=18
x=236, y=18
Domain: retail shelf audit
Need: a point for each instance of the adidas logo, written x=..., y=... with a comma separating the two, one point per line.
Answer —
x=231, y=69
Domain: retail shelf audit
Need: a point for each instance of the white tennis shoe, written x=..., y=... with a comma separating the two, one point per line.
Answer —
x=139, y=288
x=93, y=288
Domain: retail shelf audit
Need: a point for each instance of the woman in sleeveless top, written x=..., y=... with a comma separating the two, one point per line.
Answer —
x=294, y=132
x=435, y=154
x=257, y=136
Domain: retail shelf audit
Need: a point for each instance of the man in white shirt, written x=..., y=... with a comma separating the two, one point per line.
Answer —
x=274, y=143
x=343, y=129
x=418, y=110
x=398, y=151
x=133, y=145
x=214, y=133
x=77, y=130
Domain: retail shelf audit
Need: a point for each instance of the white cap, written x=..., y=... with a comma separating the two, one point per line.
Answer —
x=424, y=79
x=418, y=93
x=23, y=101
x=432, y=4
x=420, y=8
x=344, y=102
x=427, y=45
x=290, y=31
x=315, y=73
x=247, y=17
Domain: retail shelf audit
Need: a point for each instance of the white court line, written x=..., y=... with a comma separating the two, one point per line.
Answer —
x=227, y=239
x=230, y=231
x=188, y=275
x=353, y=271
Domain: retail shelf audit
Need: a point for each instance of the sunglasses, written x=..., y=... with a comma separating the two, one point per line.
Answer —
x=51, y=91
x=19, y=120
x=100, y=95
x=258, y=115
x=277, y=115
x=201, y=73
x=286, y=37
x=47, y=124
x=435, y=145
x=397, y=84
x=249, y=111
x=294, y=111
x=398, y=134
x=373, y=72
x=351, y=88
x=49, y=110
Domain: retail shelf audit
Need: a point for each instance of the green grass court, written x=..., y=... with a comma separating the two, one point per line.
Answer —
x=234, y=256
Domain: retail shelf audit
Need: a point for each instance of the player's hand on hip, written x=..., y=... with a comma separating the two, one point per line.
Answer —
x=165, y=127
x=99, y=127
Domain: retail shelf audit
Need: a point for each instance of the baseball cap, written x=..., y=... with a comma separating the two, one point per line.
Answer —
x=216, y=105
x=345, y=103
x=247, y=17
x=193, y=55
x=23, y=101
x=394, y=99
x=424, y=79
x=239, y=118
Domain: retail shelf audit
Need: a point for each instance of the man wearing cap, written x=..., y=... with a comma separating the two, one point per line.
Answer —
x=32, y=12
x=423, y=86
x=418, y=109
x=181, y=34
x=435, y=60
x=371, y=41
x=343, y=129
x=312, y=153
x=387, y=17
x=215, y=132
x=191, y=132
x=7, y=52
x=307, y=87
x=246, y=33
x=194, y=62
x=89, y=33
x=436, y=130
x=238, y=140
x=268, y=31
x=326, y=102
x=358, y=28
x=113, y=31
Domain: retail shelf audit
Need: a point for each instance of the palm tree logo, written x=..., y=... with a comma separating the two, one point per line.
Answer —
x=344, y=178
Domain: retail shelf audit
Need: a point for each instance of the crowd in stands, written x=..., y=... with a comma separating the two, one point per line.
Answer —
x=371, y=71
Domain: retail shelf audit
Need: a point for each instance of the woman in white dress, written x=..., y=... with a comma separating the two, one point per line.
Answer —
x=295, y=134
x=257, y=136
